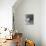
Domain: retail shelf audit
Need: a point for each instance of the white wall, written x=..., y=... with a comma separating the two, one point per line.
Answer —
x=6, y=13
x=30, y=31
x=43, y=22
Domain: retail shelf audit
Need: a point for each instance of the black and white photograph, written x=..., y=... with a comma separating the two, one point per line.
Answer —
x=29, y=19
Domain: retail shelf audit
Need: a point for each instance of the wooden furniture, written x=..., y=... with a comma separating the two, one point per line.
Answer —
x=18, y=39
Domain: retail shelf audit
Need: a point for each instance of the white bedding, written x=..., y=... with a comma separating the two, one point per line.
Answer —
x=5, y=34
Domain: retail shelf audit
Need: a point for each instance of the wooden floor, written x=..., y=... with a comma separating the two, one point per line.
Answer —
x=9, y=43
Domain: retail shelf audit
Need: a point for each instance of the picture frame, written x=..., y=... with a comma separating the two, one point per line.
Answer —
x=29, y=19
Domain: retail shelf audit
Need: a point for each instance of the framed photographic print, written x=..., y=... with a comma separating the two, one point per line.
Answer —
x=29, y=19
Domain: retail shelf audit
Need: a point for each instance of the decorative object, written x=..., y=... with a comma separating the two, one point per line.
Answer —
x=29, y=43
x=29, y=19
